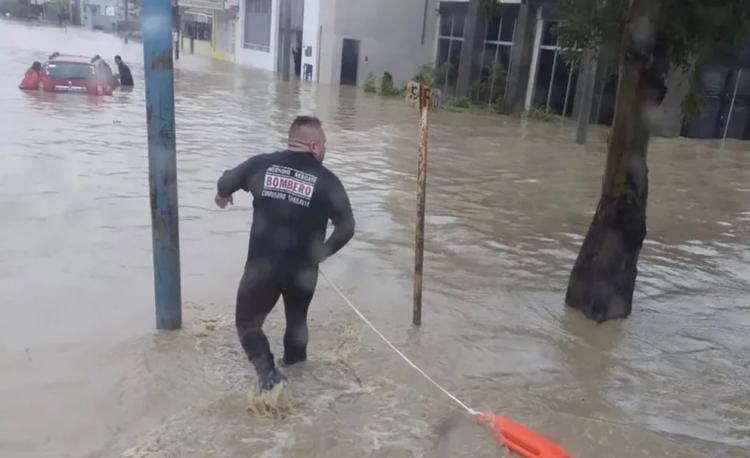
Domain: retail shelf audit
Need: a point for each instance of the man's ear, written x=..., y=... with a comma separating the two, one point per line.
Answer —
x=316, y=152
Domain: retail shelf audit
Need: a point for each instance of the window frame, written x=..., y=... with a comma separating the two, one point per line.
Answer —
x=254, y=46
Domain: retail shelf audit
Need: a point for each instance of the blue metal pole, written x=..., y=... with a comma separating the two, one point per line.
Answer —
x=162, y=163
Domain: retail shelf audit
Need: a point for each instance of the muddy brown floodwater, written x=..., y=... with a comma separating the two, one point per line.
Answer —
x=85, y=375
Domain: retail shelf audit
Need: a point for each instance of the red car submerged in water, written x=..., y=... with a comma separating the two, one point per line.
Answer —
x=63, y=73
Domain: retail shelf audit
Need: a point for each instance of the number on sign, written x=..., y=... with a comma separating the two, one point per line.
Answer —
x=412, y=93
x=416, y=92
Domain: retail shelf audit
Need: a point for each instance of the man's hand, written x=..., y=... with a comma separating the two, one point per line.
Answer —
x=222, y=202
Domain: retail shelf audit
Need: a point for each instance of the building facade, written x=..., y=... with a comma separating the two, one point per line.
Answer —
x=259, y=35
x=337, y=41
x=511, y=59
x=346, y=40
x=208, y=27
x=520, y=43
x=342, y=41
x=108, y=15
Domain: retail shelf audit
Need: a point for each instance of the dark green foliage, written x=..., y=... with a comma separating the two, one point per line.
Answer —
x=590, y=25
x=539, y=114
x=688, y=29
x=386, y=85
x=461, y=102
x=491, y=87
x=432, y=76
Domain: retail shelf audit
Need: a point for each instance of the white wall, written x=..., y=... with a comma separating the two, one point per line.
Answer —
x=251, y=57
x=310, y=31
x=389, y=32
x=330, y=44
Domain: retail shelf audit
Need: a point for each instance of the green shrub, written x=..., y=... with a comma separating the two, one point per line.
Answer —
x=425, y=75
x=371, y=86
x=539, y=114
x=432, y=76
x=386, y=85
x=491, y=87
x=461, y=102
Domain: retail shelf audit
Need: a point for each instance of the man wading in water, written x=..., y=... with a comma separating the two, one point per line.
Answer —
x=294, y=196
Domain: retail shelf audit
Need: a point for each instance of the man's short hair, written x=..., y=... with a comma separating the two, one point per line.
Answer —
x=301, y=122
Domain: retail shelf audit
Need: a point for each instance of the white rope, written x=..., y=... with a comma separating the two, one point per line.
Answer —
x=471, y=411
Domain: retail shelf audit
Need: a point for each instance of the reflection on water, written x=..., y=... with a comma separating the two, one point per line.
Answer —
x=508, y=202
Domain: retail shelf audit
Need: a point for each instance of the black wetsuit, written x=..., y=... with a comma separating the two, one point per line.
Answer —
x=126, y=78
x=294, y=197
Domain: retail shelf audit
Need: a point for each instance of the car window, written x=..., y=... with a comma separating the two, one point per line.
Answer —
x=69, y=71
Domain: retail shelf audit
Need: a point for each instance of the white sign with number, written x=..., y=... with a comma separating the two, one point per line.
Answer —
x=413, y=95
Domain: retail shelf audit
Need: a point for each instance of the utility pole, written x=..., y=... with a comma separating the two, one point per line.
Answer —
x=162, y=163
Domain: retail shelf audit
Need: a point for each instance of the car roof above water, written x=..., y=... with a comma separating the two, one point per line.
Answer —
x=71, y=59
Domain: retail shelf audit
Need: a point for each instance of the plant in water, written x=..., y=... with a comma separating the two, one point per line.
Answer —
x=371, y=86
x=434, y=76
x=425, y=75
x=491, y=86
x=460, y=102
x=386, y=85
x=539, y=114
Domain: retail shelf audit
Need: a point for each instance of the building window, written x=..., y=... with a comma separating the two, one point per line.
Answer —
x=498, y=49
x=556, y=80
x=258, y=25
x=197, y=25
x=450, y=43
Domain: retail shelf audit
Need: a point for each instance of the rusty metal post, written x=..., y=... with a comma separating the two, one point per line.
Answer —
x=425, y=99
x=162, y=163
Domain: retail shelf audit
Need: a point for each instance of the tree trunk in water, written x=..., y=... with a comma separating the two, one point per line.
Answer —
x=603, y=278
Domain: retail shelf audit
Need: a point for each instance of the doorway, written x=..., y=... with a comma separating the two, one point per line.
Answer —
x=349, y=62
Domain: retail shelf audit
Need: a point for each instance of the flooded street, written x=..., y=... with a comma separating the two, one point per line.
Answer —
x=85, y=375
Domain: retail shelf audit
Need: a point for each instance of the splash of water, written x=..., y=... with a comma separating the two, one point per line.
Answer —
x=275, y=404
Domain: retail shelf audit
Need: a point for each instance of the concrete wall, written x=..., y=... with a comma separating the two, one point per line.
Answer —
x=224, y=34
x=310, y=36
x=254, y=58
x=390, y=34
x=99, y=20
x=92, y=15
x=329, y=45
x=106, y=23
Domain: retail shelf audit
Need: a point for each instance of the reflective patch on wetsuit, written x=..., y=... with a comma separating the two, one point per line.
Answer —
x=285, y=183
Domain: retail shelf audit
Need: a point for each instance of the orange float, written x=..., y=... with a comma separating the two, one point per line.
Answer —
x=520, y=439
